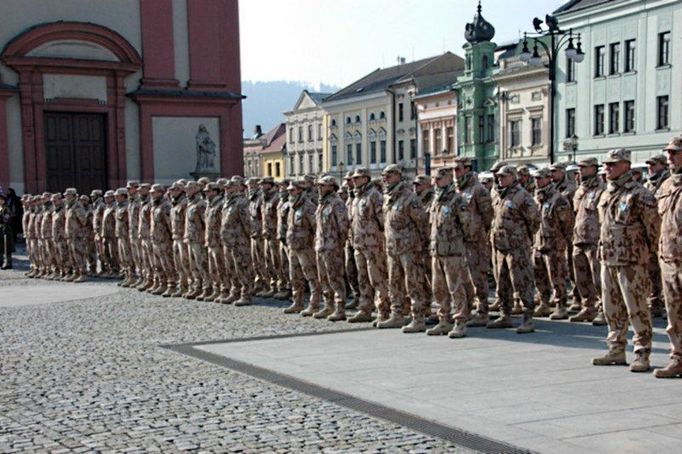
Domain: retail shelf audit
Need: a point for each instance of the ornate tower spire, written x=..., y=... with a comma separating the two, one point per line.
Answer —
x=479, y=30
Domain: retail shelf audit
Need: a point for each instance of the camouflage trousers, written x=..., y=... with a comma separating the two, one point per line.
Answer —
x=514, y=274
x=274, y=264
x=79, y=254
x=49, y=256
x=351, y=271
x=284, y=260
x=198, y=265
x=259, y=264
x=147, y=268
x=303, y=265
x=478, y=261
x=406, y=283
x=672, y=291
x=372, y=281
x=109, y=257
x=163, y=263
x=136, y=260
x=550, y=275
x=587, y=269
x=624, y=292
x=43, y=255
x=329, y=263
x=239, y=267
x=124, y=257
x=449, y=278
x=92, y=252
x=655, y=299
x=181, y=261
x=216, y=269
x=31, y=251
x=63, y=261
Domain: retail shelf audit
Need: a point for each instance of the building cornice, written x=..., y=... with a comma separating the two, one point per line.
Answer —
x=609, y=11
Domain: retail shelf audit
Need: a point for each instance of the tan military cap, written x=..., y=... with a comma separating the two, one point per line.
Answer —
x=237, y=179
x=213, y=186
x=392, y=168
x=497, y=166
x=444, y=172
x=422, y=179
x=109, y=193
x=675, y=144
x=328, y=180
x=285, y=182
x=56, y=196
x=297, y=183
x=657, y=159
x=343, y=188
x=145, y=186
x=558, y=166
x=252, y=181
x=267, y=180
x=96, y=193
x=192, y=185
x=133, y=184
x=157, y=188
x=617, y=155
x=507, y=170
x=463, y=161
x=588, y=162
x=349, y=175
x=310, y=178
x=362, y=172
x=182, y=181
x=203, y=180
x=523, y=170
x=222, y=181
x=69, y=191
x=122, y=191
x=49, y=194
x=543, y=173
x=84, y=197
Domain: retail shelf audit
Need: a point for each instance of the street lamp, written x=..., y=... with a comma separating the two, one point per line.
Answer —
x=571, y=144
x=558, y=39
x=341, y=171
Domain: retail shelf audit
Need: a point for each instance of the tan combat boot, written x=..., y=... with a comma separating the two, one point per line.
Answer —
x=518, y=308
x=575, y=307
x=672, y=370
x=543, y=310
x=267, y=294
x=339, y=314
x=244, y=301
x=496, y=306
x=80, y=278
x=600, y=319
x=459, y=331
x=325, y=312
x=560, y=312
x=234, y=297
x=611, y=358
x=310, y=310
x=478, y=320
x=526, y=326
x=283, y=295
x=170, y=291
x=503, y=321
x=160, y=290
x=192, y=294
x=417, y=325
x=641, y=362
x=396, y=320
x=295, y=308
x=441, y=329
x=586, y=314
x=361, y=317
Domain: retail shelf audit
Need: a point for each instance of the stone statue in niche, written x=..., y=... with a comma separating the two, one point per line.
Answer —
x=206, y=151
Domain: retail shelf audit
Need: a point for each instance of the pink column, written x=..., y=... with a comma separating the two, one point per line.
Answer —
x=157, y=44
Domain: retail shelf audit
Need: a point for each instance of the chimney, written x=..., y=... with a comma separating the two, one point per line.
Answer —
x=400, y=60
x=258, y=131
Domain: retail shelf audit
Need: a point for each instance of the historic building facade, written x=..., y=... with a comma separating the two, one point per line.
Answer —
x=437, y=114
x=305, y=135
x=95, y=92
x=628, y=91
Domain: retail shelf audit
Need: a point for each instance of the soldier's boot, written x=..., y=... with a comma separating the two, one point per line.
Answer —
x=600, y=319
x=496, y=306
x=80, y=278
x=30, y=274
x=641, y=362
x=657, y=308
x=179, y=291
x=222, y=297
x=125, y=282
x=611, y=358
x=282, y=295
x=147, y=285
x=215, y=294
x=69, y=278
x=381, y=317
x=417, y=325
x=586, y=314
x=672, y=370
x=325, y=312
x=503, y=321
x=234, y=297
x=543, y=310
x=459, y=331
x=52, y=276
x=160, y=289
x=170, y=291
x=575, y=307
x=560, y=312
x=361, y=317
x=267, y=294
x=352, y=304
x=339, y=314
x=243, y=301
x=310, y=310
x=295, y=308
x=478, y=320
x=526, y=326
x=192, y=294
x=441, y=329
x=205, y=293
x=396, y=320
x=518, y=308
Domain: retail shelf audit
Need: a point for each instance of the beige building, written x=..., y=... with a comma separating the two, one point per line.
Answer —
x=373, y=122
x=437, y=116
x=264, y=153
x=304, y=135
x=523, y=92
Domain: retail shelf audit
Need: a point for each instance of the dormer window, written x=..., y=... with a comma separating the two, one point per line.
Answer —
x=382, y=115
x=333, y=122
x=372, y=117
x=348, y=120
x=357, y=118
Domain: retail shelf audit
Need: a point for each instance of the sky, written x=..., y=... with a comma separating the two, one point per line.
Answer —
x=338, y=41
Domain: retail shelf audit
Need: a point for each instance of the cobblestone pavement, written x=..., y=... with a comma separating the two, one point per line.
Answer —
x=88, y=375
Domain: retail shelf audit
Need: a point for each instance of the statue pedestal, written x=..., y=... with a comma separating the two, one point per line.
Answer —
x=210, y=174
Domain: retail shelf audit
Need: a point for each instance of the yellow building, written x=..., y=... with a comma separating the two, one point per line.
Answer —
x=273, y=153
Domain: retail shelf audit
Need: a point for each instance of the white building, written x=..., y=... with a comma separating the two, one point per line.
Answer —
x=304, y=126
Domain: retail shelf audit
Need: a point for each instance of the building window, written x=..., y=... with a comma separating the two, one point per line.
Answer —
x=413, y=148
x=629, y=124
x=300, y=134
x=319, y=163
x=372, y=117
x=614, y=118
x=382, y=146
x=357, y=118
x=291, y=135
x=401, y=150
x=310, y=133
x=481, y=128
x=663, y=48
x=515, y=133
x=662, y=115
x=278, y=170
x=570, y=122
x=437, y=140
x=536, y=131
x=373, y=152
x=310, y=164
x=599, y=60
x=334, y=155
x=333, y=123
x=401, y=112
x=599, y=120
x=300, y=164
x=349, y=154
x=450, y=131
x=348, y=120
x=490, y=137
x=425, y=142
x=358, y=148
x=413, y=111
x=291, y=164
x=467, y=130
x=630, y=48
x=570, y=70
x=614, y=50
x=382, y=115
x=319, y=131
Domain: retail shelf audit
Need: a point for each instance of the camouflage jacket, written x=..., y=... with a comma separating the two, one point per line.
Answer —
x=585, y=202
x=25, y=218
x=301, y=223
x=30, y=223
x=450, y=220
x=235, y=227
x=367, y=218
x=331, y=217
x=145, y=219
x=480, y=205
x=97, y=215
x=109, y=221
x=516, y=220
x=178, y=211
x=269, y=214
x=122, y=226
x=654, y=182
x=134, y=205
x=76, y=220
x=567, y=188
x=556, y=220
x=670, y=209
x=406, y=223
x=255, y=205
x=426, y=198
x=349, y=210
x=529, y=186
x=160, y=228
x=58, y=224
x=37, y=222
x=213, y=215
x=629, y=223
x=46, y=222
x=282, y=215
x=89, y=216
x=194, y=220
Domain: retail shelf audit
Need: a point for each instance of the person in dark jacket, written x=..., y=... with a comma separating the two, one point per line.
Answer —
x=6, y=234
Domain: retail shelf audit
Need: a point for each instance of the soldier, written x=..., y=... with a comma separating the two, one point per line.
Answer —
x=97, y=214
x=122, y=230
x=494, y=195
x=331, y=218
x=91, y=252
x=629, y=230
x=513, y=228
x=310, y=188
x=50, y=254
x=487, y=181
x=214, y=244
x=670, y=255
x=43, y=267
x=526, y=179
x=300, y=239
x=194, y=239
x=478, y=258
x=282, y=215
x=30, y=237
x=424, y=189
x=134, y=206
x=349, y=253
x=109, y=257
x=161, y=236
x=144, y=238
x=406, y=235
x=180, y=249
x=269, y=201
x=61, y=247
x=586, y=264
x=76, y=232
x=551, y=240
x=343, y=193
x=235, y=230
x=450, y=227
x=257, y=241
x=367, y=230
x=26, y=203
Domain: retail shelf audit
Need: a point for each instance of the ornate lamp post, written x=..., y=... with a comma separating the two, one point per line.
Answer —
x=340, y=171
x=558, y=39
x=571, y=144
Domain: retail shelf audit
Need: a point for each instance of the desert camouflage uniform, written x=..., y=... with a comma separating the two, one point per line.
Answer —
x=629, y=230
x=349, y=255
x=214, y=245
x=43, y=266
x=136, y=259
x=98, y=208
x=76, y=234
x=31, y=240
x=567, y=188
x=91, y=251
x=271, y=243
x=122, y=228
x=147, y=269
x=235, y=230
x=48, y=245
x=302, y=261
x=162, y=245
x=282, y=215
x=257, y=242
x=63, y=261
x=426, y=198
x=180, y=249
x=24, y=227
x=109, y=256
x=332, y=223
x=367, y=223
x=194, y=238
x=655, y=299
